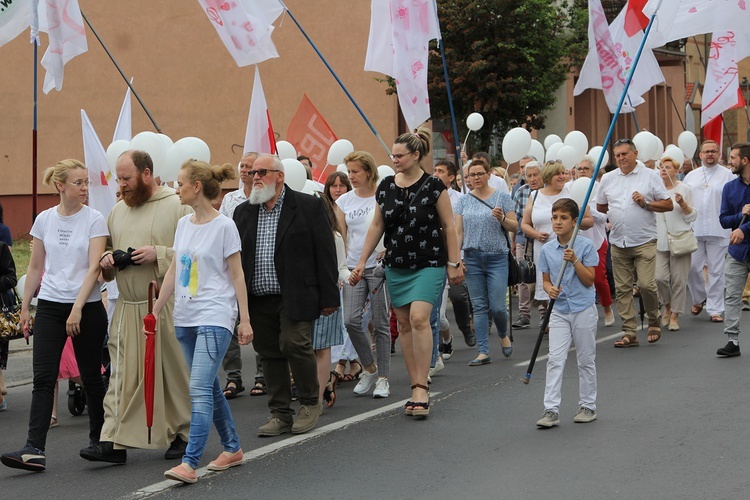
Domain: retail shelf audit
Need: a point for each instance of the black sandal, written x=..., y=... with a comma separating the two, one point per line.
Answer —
x=419, y=409
x=233, y=389
x=329, y=393
x=259, y=389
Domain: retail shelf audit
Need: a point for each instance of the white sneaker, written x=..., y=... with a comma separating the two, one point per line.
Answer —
x=382, y=388
x=439, y=365
x=366, y=381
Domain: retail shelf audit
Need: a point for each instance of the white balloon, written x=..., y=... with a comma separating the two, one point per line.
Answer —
x=114, y=151
x=311, y=187
x=659, y=149
x=516, y=144
x=536, y=150
x=676, y=154
x=22, y=282
x=475, y=121
x=286, y=150
x=578, y=141
x=338, y=151
x=295, y=174
x=646, y=144
x=167, y=141
x=568, y=156
x=342, y=168
x=552, y=151
x=384, y=171
x=550, y=140
x=578, y=190
x=153, y=145
x=595, y=152
x=187, y=148
x=688, y=143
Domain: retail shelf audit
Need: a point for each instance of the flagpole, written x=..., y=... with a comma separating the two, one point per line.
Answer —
x=34, y=157
x=585, y=203
x=336, y=77
x=111, y=57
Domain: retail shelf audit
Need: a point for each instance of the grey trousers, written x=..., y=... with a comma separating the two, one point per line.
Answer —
x=354, y=301
x=736, y=273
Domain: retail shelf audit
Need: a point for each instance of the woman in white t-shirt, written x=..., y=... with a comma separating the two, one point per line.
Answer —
x=208, y=283
x=352, y=213
x=68, y=240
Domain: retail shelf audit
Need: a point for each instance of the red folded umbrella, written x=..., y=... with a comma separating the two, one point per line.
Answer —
x=149, y=325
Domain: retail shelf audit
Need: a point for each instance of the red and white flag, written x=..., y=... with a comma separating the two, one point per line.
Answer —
x=714, y=131
x=63, y=22
x=400, y=33
x=311, y=136
x=259, y=137
x=245, y=27
x=635, y=19
x=15, y=17
x=676, y=19
x=103, y=187
x=602, y=69
x=722, y=89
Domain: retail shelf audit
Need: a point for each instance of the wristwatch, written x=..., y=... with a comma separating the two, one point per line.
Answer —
x=454, y=264
x=647, y=206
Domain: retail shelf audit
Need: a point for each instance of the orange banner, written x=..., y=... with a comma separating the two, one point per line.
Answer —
x=312, y=136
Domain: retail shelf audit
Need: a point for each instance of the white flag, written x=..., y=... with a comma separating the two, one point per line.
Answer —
x=400, y=33
x=124, y=127
x=62, y=21
x=103, y=186
x=647, y=73
x=245, y=27
x=259, y=136
x=15, y=16
x=722, y=89
x=602, y=69
x=676, y=19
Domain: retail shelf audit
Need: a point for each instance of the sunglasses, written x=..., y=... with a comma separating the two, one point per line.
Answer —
x=261, y=172
x=624, y=141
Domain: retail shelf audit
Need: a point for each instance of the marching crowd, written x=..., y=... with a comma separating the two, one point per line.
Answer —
x=311, y=281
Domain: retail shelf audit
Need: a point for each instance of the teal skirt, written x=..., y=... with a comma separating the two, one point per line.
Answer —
x=406, y=285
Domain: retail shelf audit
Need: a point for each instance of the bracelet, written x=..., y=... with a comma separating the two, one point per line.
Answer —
x=576, y=262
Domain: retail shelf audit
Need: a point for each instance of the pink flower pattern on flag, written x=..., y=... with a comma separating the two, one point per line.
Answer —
x=245, y=27
x=62, y=21
x=678, y=19
x=400, y=32
x=722, y=90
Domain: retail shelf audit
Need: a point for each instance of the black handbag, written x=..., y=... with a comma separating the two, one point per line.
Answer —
x=527, y=266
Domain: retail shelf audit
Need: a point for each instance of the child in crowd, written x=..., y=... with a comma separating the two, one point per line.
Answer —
x=574, y=316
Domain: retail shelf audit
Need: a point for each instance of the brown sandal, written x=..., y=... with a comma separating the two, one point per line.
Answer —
x=654, y=334
x=627, y=340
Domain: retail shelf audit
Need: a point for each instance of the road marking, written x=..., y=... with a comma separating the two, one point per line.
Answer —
x=617, y=335
x=274, y=447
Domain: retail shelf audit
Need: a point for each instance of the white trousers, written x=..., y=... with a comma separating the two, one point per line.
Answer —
x=712, y=251
x=579, y=327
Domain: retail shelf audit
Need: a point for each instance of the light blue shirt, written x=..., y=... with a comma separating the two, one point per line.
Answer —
x=574, y=295
x=482, y=230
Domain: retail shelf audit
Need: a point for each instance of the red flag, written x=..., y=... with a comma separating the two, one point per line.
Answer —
x=311, y=136
x=259, y=136
x=714, y=131
x=635, y=19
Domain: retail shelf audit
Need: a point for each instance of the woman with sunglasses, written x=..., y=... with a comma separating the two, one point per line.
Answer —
x=69, y=240
x=353, y=209
x=415, y=219
x=481, y=218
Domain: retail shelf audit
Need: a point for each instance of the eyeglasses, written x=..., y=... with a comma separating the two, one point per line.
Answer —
x=261, y=172
x=477, y=174
x=710, y=152
x=583, y=169
x=80, y=184
x=398, y=156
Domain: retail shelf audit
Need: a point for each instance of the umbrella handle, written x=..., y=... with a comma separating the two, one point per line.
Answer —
x=153, y=293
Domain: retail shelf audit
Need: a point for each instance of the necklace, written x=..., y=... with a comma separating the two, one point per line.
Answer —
x=708, y=179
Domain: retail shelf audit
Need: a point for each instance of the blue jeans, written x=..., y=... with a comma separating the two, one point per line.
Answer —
x=204, y=347
x=435, y=324
x=487, y=281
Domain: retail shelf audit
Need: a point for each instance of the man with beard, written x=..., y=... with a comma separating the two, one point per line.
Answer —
x=707, y=183
x=142, y=224
x=735, y=209
x=289, y=260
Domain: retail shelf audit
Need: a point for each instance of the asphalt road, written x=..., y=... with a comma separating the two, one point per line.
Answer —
x=673, y=424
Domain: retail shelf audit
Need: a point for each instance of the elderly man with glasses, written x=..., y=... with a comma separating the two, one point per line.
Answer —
x=630, y=195
x=707, y=183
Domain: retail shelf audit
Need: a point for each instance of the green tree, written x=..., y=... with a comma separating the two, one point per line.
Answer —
x=506, y=59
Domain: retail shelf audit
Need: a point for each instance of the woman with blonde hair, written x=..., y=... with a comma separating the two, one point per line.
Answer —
x=68, y=241
x=353, y=214
x=207, y=281
x=672, y=270
x=415, y=219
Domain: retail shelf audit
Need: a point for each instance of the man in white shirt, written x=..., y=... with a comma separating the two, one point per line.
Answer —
x=707, y=183
x=629, y=196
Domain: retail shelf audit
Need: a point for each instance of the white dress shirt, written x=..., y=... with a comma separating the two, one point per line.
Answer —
x=499, y=183
x=707, y=185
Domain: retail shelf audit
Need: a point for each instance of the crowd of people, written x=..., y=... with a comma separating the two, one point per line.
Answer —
x=319, y=282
